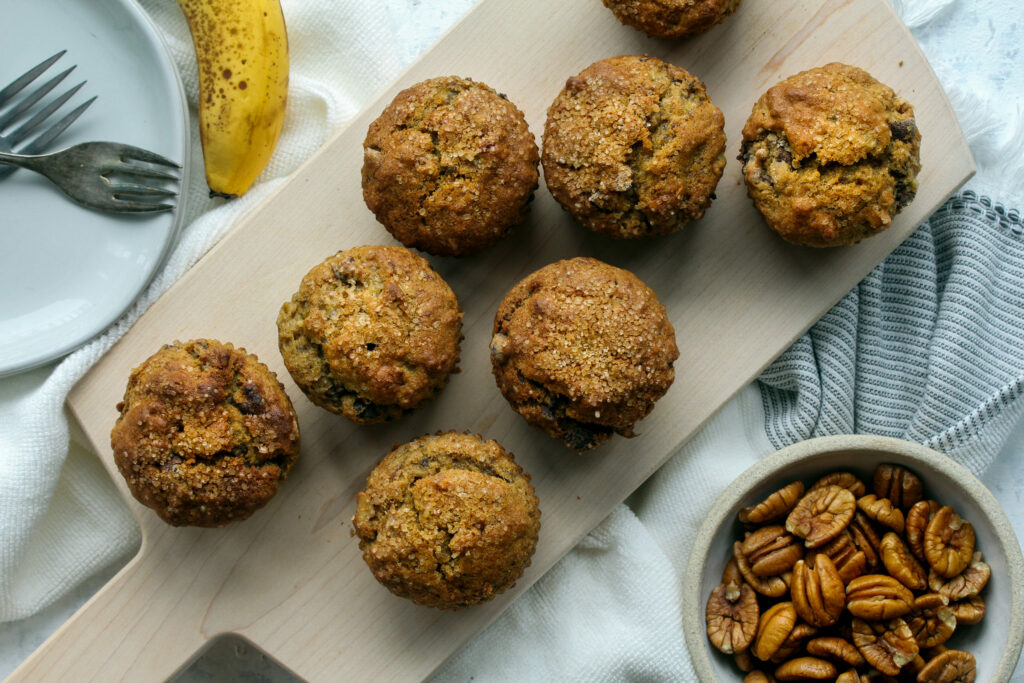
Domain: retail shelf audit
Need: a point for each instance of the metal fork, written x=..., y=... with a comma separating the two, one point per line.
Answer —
x=22, y=107
x=107, y=176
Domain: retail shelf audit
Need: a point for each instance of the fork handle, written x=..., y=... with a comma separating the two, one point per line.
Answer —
x=30, y=161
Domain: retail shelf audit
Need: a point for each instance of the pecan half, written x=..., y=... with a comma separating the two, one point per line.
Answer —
x=966, y=584
x=916, y=522
x=806, y=669
x=744, y=662
x=776, y=624
x=886, y=645
x=817, y=591
x=901, y=486
x=774, y=506
x=952, y=666
x=866, y=539
x=948, y=543
x=969, y=611
x=900, y=564
x=794, y=641
x=771, y=551
x=821, y=515
x=771, y=586
x=849, y=560
x=731, y=616
x=878, y=597
x=731, y=573
x=836, y=649
x=932, y=621
x=848, y=676
x=882, y=511
x=758, y=677
x=846, y=480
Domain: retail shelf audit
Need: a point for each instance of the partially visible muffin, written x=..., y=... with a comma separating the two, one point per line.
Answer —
x=633, y=147
x=671, y=18
x=830, y=155
x=372, y=333
x=205, y=433
x=582, y=350
x=449, y=166
x=448, y=520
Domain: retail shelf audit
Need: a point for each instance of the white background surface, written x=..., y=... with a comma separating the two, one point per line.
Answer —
x=980, y=53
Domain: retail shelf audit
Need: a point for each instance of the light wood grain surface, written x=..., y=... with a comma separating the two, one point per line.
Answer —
x=291, y=579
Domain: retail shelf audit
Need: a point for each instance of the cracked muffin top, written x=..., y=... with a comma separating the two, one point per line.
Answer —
x=449, y=166
x=671, y=18
x=582, y=350
x=371, y=334
x=448, y=520
x=633, y=147
x=205, y=433
x=830, y=155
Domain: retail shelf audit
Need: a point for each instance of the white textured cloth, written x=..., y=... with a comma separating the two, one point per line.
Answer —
x=610, y=610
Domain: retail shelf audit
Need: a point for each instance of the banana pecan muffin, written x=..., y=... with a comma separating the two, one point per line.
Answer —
x=449, y=166
x=830, y=155
x=371, y=334
x=671, y=18
x=205, y=433
x=448, y=520
x=633, y=147
x=582, y=350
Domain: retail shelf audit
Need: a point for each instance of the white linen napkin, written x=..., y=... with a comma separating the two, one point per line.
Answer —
x=610, y=610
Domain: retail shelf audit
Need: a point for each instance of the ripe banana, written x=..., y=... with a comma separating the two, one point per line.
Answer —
x=242, y=50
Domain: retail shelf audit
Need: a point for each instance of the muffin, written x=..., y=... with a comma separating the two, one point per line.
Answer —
x=671, y=18
x=633, y=147
x=449, y=166
x=582, y=350
x=830, y=155
x=372, y=333
x=205, y=433
x=448, y=520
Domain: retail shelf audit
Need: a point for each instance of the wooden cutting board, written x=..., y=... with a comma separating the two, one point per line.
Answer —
x=291, y=579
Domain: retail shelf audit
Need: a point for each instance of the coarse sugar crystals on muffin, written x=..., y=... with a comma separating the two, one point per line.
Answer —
x=633, y=147
x=582, y=350
x=205, y=433
x=447, y=520
x=449, y=166
x=671, y=18
x=830, y=155
x=372, y=333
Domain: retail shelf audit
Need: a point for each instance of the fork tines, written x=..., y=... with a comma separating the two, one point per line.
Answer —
x=26, y=105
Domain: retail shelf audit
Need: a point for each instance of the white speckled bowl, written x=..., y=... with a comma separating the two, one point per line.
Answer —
x=995, y=642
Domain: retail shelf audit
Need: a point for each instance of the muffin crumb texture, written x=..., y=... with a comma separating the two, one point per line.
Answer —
x=830, y=155
x=582, y=350
x=671, y=18
x=449, y=166
x=372, y=333
x=447, y=520
x=205, y=434
x=633, y=147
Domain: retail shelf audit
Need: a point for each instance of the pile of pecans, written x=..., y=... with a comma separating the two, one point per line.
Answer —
x=836, y=583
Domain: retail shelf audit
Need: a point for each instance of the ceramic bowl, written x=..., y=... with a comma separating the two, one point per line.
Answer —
x=995, y=641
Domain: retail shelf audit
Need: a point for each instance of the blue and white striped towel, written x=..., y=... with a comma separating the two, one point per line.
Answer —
x=928, y=348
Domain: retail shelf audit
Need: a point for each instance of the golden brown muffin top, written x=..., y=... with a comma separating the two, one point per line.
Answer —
x=382, y=323
x=447, y=520
x=449, y=166
x=633, y=147
x=838, y=112
x=671, y=18
x=205, y=433
x=592, y=333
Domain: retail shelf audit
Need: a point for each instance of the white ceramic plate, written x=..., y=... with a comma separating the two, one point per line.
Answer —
x=66, y=272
